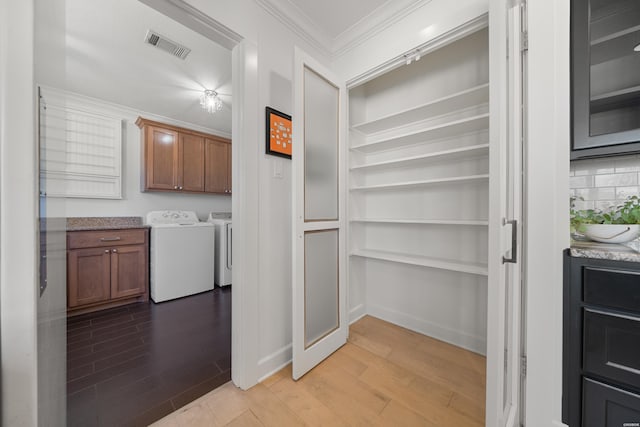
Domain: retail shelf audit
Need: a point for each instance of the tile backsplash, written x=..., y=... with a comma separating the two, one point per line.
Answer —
x=604, y=182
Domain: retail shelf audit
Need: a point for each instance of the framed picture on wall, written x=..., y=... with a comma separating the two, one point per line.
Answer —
x=278, y=133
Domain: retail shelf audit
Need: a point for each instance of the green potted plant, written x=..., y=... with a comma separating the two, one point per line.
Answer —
x=618, y=224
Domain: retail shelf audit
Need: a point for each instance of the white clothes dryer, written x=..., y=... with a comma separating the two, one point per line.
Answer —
x=181, y=250
x=224, y=240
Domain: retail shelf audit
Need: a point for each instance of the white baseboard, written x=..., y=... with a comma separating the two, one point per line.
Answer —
x=356, y=313
x=452, y=336
x=277, y=360
x=272, y=363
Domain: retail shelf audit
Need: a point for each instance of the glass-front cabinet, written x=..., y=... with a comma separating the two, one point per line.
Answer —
x=605, y=45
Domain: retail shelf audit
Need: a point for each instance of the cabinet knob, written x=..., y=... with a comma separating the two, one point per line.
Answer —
x=106, y=251
x=175, y=187
x=179, y=188
x=114, y=250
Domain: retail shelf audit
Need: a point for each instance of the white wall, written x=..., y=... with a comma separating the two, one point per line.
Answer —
x=430, y=21
x=546, y=210
x=134, y=202
x=52, y=303
x=18, y=289
x=275, y=66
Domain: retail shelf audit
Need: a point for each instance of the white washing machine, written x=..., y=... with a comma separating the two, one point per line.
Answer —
x=224, y=238
x=181, y=251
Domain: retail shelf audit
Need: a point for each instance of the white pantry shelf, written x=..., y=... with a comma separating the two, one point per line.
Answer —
x=410, y=184
x=453, y=154
x=456, y=222
x=442, y=264
x=630, y=92
x=444, y=130
x=458, y=101
x=616, y=35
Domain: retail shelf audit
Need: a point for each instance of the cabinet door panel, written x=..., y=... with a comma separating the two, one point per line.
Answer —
x=616, y=289
x=89, y=276
x=191, y=164
x=606, y=406
x=162, y=159
x=605, y=81
x=611, y=346
x=217, y=171
x=128, y=271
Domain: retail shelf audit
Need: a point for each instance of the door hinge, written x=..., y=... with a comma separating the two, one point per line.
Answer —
x=524, y=41
x=523, y=365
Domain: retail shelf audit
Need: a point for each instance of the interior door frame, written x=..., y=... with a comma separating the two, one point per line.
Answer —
x=19, y=190
x=506, y=322
x=245, y=151
x=18, y=214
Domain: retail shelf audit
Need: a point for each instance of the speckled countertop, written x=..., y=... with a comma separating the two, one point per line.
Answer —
x=615, y=252
x=104, y=223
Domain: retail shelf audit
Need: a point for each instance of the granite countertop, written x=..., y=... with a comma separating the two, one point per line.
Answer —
x=616, y=252
x=104, y=223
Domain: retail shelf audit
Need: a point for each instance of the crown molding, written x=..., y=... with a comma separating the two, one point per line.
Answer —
x=435, y=43
x=299, y=23
x=375, y=22
x=303, y=26
x=193, y=18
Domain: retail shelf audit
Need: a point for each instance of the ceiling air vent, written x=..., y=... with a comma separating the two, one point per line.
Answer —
x=163, y=43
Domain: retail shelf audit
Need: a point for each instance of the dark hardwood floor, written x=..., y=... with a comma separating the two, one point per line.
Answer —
x=132, y=365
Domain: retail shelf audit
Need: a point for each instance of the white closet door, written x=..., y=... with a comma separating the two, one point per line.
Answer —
x=505, y=355
x=320, y=323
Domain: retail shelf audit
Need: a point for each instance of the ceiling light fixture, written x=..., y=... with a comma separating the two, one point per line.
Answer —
x=210, y=101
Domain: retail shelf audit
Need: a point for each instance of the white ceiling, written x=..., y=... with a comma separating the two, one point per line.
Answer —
x=336, y=16
x=106, y=58
x=336, y=26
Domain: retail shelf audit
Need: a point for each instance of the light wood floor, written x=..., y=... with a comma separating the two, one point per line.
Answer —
x=384, y=376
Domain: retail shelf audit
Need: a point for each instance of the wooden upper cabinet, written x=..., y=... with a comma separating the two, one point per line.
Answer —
x=217, y=166
x=191, y=164
x=161, y=158
x=183, y=160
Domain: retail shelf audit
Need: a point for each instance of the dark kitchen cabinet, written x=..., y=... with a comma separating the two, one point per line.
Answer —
x=605, y=68
x=601, y=342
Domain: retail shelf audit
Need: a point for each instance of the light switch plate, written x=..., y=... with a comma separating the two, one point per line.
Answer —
x=277, y=168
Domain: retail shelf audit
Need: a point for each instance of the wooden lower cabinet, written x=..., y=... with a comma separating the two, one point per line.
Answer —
x=106, y=269
x=89, y=276
x=128, y=271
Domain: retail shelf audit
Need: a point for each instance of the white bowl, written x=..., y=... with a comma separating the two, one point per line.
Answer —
x=611, y=233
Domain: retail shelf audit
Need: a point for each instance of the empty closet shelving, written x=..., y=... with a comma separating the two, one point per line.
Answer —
x=419, y=191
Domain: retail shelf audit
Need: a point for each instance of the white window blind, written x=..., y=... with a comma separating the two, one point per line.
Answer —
x=80, y=153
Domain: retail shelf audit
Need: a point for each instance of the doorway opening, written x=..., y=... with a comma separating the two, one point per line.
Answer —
x=147, y=359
